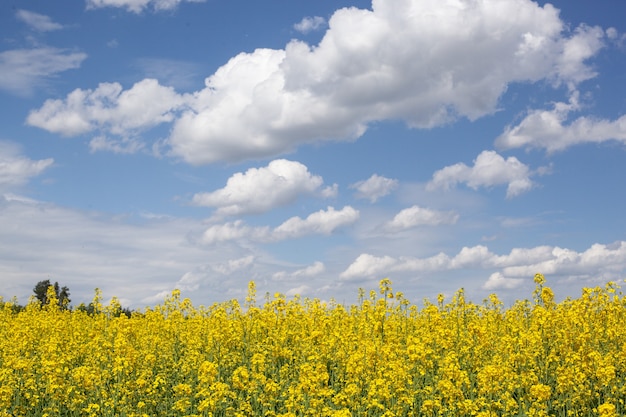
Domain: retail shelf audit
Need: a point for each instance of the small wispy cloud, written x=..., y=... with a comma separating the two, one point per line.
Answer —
x=182, y=75
x=309, y=24
x=420, y=216
x=23, y=70
x=138, y=6
x=310, y=271
x=38, y=22
x=16, y=169
x=374, y=187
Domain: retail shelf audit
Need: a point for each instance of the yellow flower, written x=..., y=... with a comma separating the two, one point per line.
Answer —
x=607, y=410
x=547, y=296
x=306, y=357
x=539, y=279
x=540, y=392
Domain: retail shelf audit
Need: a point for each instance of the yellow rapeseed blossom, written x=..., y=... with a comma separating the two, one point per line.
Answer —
x=383, y=356
x=539, y=279
x=607, y=410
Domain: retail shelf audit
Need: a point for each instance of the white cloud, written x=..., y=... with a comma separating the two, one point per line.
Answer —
x=40, y=240
x=420, y=216
x=330, y=191
x=375, y=187
x=376, y=65
x=190, y=281
x=300, y=290
x=520, y=256
x=498, y=281
x=472, y=257
x=171, y=72
x=439, y=262
x=371, y=65
x=115, y=145
x=321, y=222
x=310, y=271
x=612, y=33
x=309, y=24
x=205, y=276
x=585, y=43
x=82, y=250
x=233, y=231
x=236, y=116
x=16, y=169
x=22, y=71
x=367, y=265
x=549, y=129
x=234, y=265
x=598, y=262
x=109, y=108
x=138, y=6
x=39, y=22
x=490, y=169
x=261, y=189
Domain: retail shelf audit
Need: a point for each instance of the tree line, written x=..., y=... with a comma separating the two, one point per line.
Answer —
x=62, y=295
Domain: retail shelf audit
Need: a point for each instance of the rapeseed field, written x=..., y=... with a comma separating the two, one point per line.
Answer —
x=382, y=356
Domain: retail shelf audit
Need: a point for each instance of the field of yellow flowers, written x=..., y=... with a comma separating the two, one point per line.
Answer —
x=383, y=356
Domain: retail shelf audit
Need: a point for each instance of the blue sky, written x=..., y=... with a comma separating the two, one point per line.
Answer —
x=313, y=147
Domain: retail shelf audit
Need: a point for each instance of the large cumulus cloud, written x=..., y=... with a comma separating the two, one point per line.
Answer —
x=424, y=62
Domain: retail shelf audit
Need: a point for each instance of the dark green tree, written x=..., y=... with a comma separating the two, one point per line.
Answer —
x=62, y=293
